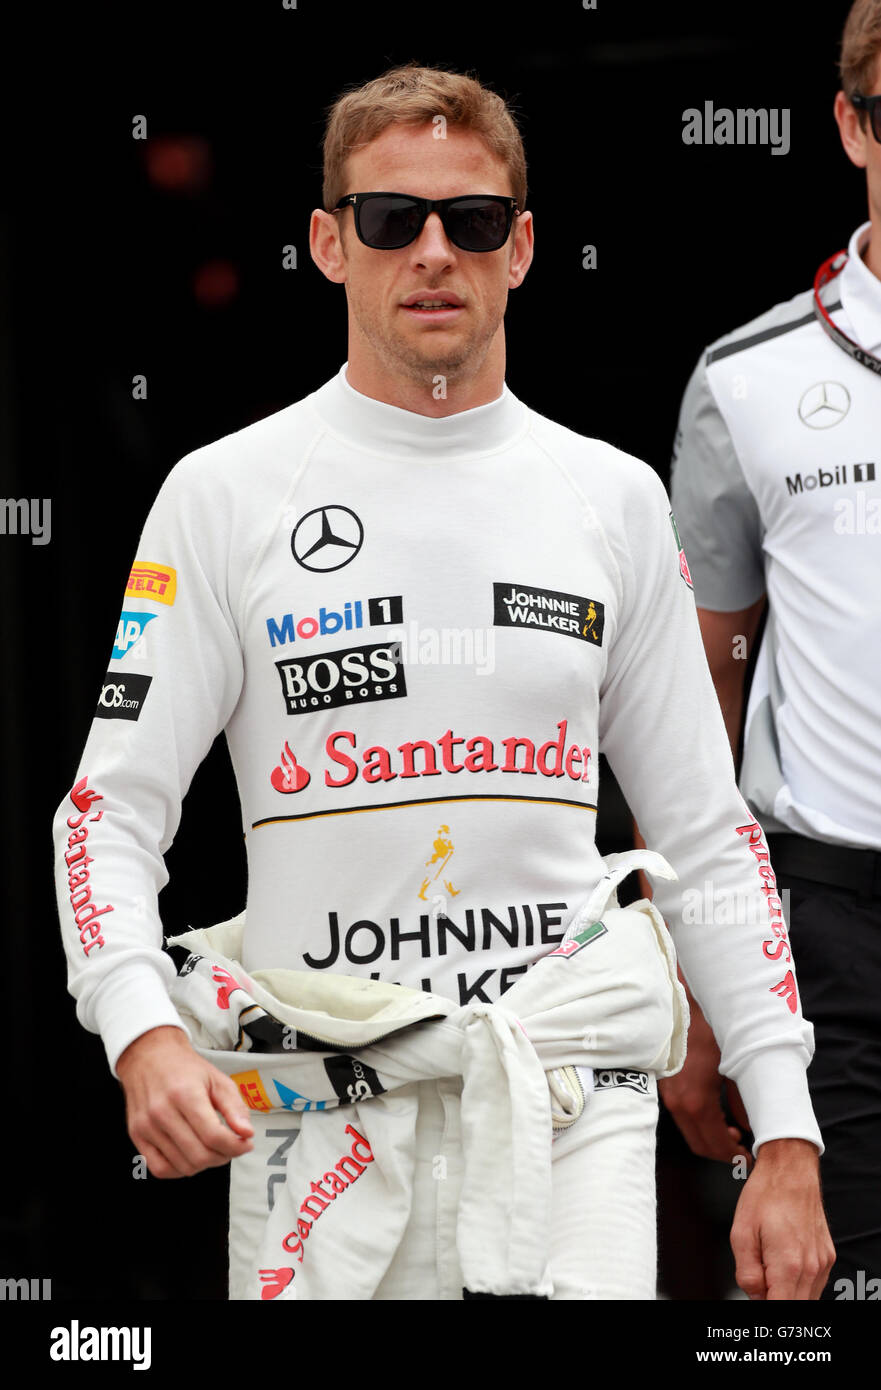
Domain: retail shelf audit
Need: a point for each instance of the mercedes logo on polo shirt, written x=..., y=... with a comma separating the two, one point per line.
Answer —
x=824, y=405
x=327, y=538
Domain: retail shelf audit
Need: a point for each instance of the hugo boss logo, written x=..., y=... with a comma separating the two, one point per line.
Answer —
x=355, y=675
x=122, y=696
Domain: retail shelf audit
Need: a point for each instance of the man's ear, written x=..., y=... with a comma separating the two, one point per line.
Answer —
x=521, y=256
x=325, y=246
x=853, y=136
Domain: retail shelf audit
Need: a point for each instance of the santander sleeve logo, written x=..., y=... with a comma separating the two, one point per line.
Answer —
x=778, y=943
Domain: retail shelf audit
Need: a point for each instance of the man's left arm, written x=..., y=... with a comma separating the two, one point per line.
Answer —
x=662, y=730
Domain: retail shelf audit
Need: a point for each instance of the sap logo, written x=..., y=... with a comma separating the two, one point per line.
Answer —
x=129, y=630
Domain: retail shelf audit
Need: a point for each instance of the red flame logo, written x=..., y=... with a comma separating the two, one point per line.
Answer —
x=83, y=796
x=274, y=1280
x=290, y=776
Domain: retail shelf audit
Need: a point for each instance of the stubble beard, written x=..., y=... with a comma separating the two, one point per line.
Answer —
x=456, y=363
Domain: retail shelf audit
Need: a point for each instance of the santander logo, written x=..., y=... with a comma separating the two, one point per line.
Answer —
x=557, y=758
x=289, y=776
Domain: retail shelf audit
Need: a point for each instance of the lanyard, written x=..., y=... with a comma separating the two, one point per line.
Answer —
x=827, y=272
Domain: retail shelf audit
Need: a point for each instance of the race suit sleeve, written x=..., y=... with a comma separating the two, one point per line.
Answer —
x=715, y=510
x=662, y=730
x=168, y=693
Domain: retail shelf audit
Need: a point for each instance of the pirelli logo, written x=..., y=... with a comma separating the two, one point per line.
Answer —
x=152, y=581
x=252, y=1089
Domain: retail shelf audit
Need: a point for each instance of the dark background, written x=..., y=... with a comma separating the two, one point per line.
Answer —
x=164, y=258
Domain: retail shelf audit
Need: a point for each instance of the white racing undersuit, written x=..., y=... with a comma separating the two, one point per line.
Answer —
x=504, y=1149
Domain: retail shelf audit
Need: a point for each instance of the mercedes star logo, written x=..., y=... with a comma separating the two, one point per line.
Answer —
x=327, y=538
x=824, y=405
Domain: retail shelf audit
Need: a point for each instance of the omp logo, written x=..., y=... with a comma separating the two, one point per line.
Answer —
x=830, y=477
x=616, y=1076
x=356, y=675
x=122, y=696
x=25, y=1290
x=152, y=581
x=129, y=630
x=289, y=628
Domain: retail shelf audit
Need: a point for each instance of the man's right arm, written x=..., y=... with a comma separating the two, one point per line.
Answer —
x=174, y=678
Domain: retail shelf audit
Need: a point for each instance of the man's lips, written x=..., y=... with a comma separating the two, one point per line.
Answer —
x=437, y=305
x=432, y=297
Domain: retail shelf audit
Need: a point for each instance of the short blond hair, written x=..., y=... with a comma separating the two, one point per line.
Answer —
x=860, y=49
x=414, y=95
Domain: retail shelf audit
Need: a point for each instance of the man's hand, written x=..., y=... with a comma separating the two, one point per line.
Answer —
x=780, y=1239
x=172, y=1097
x=692, y=1096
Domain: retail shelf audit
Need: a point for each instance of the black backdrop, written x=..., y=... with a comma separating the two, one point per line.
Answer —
x=102, y=271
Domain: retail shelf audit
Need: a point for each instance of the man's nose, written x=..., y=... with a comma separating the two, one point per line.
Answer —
x=433, y=246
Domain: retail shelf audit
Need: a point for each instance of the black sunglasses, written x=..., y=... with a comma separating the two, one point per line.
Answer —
x=387, y=221
x=873, y=106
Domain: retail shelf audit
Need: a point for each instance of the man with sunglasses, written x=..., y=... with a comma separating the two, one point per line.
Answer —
x=405, y=820
x=777, y=490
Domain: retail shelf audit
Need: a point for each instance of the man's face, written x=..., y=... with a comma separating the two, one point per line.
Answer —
x=381, y=285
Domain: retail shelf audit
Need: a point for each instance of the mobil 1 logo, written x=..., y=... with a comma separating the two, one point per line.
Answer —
x=352, y=676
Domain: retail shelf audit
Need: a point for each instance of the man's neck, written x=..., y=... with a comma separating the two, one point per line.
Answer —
x=871, y=253
x=437, y=395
